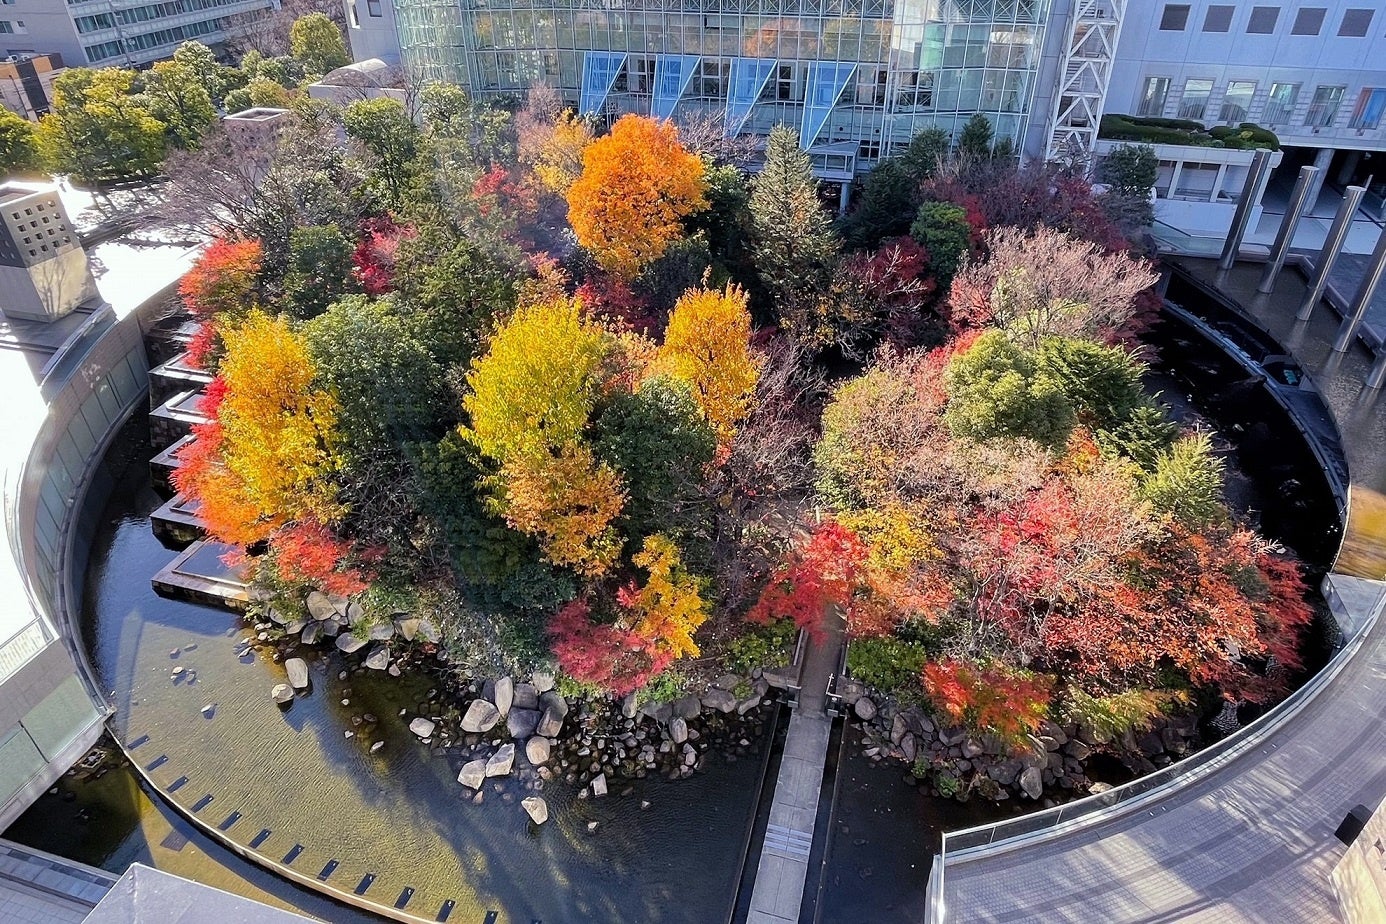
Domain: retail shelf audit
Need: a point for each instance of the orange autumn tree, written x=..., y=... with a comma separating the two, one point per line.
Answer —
x=530, y=399
x=670, y=606
x=265, y=461
x=218, y=289
x=637, y=185
x=707, y=345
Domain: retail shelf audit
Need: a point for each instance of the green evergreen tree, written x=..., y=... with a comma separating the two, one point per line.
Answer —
x=943, y=230
x=974, y=143
x=884, y=208
x=793, y=243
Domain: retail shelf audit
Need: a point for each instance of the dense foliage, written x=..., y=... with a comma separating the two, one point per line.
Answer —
x=575, y=380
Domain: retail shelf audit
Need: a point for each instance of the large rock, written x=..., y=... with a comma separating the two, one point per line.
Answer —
x=282, y=693
x=298, y=673
x=678, y=730
x=536, y=808
x=951, y=736
x=319, y=607
x=354, y=613
x=971, y=748
x=429, y=632
x=1032, y=782
x=501, y=762
x=865, y=709
x=504, y=695
x=311, y=633
x=727, y=681
x=422, y=727
x=275, y=616
x=550, y=723
x=481, y=717
x=719, y=699
x=347, y=643
x=747, y=704
x=537, y=751
x=382, y=632
x=526, y=697
x=379, y=658
x=1078, y=750
x=295, y=626
x=407, y=628
x=687, y=707
x=599, y=785
x=521, y=723
x=898, y=728
x=543, y=681
x=473, y=774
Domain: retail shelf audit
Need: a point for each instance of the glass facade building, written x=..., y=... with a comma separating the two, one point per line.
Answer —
x=857, y=78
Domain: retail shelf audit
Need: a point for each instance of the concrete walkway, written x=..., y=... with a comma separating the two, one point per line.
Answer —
x=783, y=867
x=1251, y=842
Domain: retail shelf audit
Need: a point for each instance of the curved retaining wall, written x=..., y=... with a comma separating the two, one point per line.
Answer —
x=52, y=700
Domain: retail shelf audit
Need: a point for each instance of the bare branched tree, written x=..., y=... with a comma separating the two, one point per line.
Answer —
x=1046, y=283
x=704, y=133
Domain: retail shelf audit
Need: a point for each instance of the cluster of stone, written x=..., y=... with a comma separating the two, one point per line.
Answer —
x=1049, y=766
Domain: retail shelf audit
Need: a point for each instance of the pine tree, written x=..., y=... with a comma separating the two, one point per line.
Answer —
x=794, y=246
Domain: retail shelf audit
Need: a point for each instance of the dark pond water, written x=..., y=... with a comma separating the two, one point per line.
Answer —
x=394, y=821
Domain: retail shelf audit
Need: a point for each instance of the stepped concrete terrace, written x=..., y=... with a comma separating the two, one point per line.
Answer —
x=1252, y=838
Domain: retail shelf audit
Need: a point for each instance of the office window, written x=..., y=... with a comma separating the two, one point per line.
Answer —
x=1281, y=103
x=1237, y=100
x=1263, y=20
x=1196, y=93
x=1175, y=18
x=1324, y=109
x=1356, y=23
x=1218, y=18
x=1309, y=21
x=1153, y=99
x=6, y=27
x=1371, y=102
x=373, y=8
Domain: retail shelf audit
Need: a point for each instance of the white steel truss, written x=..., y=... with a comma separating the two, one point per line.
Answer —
x=1085, y=72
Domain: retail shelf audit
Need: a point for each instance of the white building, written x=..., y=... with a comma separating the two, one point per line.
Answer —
x=1313, y=73
x=371, y=30
x=119, y=33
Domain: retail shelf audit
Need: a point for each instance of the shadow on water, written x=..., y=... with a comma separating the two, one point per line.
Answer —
x=309, y=777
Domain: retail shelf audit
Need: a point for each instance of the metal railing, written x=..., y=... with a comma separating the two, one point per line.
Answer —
x=1018, y=832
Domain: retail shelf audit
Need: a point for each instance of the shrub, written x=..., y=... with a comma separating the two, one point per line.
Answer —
x=761, y=646
x=1110, y=717
x=889, y=664
x=1246, y=136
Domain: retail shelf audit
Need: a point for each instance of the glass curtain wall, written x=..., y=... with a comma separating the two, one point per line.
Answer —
x=869, y=73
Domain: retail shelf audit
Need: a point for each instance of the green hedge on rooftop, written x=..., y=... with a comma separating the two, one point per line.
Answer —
x=1246, y=137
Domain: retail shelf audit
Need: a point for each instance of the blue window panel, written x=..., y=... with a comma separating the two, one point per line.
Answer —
x=599, y=70
x=671, y=78
x=826, y=81
x=748, y=79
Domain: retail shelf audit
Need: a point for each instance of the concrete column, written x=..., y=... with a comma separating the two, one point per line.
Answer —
x=1377, y=377
x=1217, y=183
x=1332, y=246
x=1287, y=228
x=844, y=197
x=1375, y=270
x=1323, y=160
x=1251, y=192
x=1349, y=167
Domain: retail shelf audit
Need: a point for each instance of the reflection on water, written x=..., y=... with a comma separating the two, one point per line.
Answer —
x=398, y=814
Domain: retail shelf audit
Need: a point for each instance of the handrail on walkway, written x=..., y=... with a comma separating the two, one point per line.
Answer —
x=1013, y=833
